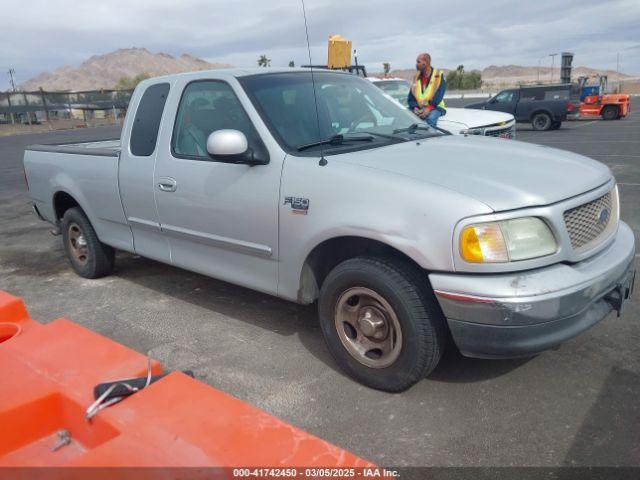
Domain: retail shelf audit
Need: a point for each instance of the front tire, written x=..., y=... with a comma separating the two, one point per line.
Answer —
x=381, y=322
x=541, y=121
x=89, y=257
x=610, y=112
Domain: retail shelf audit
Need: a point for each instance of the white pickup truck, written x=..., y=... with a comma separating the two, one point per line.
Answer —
x=457, y=121
x=318, y=187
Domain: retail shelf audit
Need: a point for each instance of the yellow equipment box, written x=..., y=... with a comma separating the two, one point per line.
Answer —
x=339, y=52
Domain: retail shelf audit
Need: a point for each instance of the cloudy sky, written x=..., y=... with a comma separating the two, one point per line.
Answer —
x=40, y=35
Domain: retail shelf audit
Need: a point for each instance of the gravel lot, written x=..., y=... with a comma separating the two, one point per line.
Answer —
x=577, y=405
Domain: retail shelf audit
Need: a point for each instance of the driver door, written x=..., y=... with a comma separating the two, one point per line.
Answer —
x=220, y=219
x=504, y=102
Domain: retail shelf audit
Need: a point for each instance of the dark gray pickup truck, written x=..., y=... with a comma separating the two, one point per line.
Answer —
x=529, y=105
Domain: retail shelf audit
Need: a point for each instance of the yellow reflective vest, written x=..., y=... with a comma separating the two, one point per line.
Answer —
x=424, y=95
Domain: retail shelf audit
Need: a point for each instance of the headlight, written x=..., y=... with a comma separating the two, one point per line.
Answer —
x=472, y=131
x=506, y=241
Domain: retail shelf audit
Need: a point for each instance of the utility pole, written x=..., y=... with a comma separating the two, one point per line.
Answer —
x=553, y=57
x=539, y=60
x=46, y=108
x=618, y=72
x=12, y=73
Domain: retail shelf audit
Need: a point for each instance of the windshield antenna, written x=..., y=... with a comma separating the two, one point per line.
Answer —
x=323, y=161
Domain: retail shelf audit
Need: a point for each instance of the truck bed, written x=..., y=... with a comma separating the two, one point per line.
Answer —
x=86, y=173
x=104, y=148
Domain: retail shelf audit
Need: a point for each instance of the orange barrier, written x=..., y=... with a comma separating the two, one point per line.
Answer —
x=48, y=373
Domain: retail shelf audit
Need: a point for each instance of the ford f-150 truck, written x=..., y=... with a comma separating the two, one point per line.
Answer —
x=318, y=187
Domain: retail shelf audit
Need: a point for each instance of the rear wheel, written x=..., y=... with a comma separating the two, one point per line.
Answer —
x=556, y=125
x=381, y=322
x=610, y=112
x=541, y=121
x=89, y=257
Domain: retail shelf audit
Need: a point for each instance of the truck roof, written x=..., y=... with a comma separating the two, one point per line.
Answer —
x=238, y=72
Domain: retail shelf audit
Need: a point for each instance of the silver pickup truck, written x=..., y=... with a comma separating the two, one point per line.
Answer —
x=318, y=187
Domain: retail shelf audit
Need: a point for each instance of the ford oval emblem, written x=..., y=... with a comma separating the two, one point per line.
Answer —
x=605, y=213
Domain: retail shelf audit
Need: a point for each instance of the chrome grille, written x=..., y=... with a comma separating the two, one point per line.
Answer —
x=587, y=222
x=500, y=132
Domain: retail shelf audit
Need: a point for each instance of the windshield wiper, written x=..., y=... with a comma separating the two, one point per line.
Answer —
x=335, y=140
x=412, y=128
x=381, y=135
x=415, y=126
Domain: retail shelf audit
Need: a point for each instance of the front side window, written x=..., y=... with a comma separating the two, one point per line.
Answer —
x=207, y=106
x=504, y=97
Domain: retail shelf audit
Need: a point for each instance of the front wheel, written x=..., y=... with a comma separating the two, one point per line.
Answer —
x=610, y=112
x=381, y=322
x=89, y=257
x=541, y=121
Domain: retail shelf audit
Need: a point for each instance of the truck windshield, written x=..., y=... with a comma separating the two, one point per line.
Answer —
x=346, y=105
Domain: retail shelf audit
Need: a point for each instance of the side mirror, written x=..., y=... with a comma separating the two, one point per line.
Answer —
x=232, y=146
x=227, y=142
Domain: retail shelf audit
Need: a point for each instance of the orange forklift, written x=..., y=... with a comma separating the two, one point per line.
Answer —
x=594, y=102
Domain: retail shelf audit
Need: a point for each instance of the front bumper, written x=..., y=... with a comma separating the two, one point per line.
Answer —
x=524, y=313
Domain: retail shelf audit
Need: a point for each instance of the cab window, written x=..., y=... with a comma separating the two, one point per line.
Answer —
x=144, y=133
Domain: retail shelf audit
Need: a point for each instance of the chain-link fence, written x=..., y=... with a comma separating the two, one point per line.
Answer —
x=53, y=110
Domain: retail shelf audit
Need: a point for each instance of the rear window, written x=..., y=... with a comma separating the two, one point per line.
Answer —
x=144, y=133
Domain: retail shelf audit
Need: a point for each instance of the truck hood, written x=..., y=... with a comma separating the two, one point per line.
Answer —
x=504, y=175
x=476, y=105
x=475, y=118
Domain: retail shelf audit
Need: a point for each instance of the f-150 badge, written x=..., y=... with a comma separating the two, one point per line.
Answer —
x=299, y=205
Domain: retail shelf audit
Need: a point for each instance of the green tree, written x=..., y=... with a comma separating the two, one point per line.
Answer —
x=386, y=66
x=129, y=83
x=458, y=79
x=263, y=61
x=292, y=64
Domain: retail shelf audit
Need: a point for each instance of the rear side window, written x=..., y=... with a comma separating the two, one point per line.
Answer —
x=556, y=95
x=147, y=121
x=532, y=94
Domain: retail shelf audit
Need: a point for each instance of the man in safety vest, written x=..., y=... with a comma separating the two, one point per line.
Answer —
x=427, y=91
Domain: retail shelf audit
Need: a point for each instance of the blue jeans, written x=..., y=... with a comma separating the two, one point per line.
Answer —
x=432, y=118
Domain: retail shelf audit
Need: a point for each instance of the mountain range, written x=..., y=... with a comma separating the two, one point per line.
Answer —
x=104, y=71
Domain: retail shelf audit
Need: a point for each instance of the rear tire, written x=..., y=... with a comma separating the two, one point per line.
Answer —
x=556, y=125
x=610, y=112
x=541, y=121
x=89, y=257
x=381, y=322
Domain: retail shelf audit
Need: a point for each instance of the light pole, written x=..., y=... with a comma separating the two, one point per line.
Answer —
x=553, y=57
x=540, y=60
x=12, y=73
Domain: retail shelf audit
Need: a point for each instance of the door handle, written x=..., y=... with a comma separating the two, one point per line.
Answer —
x=167, y=184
